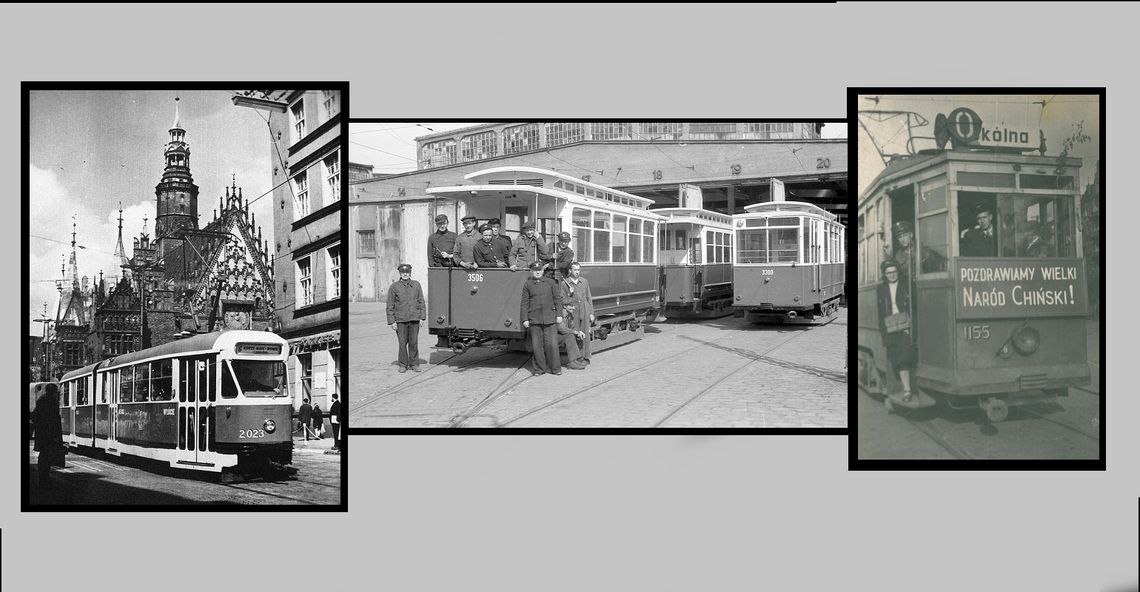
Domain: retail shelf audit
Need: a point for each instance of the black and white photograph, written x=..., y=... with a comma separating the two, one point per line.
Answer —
x=979, y=275
x=182, y=312
x=598, y=275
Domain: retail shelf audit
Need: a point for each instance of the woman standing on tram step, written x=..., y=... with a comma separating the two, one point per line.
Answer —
x=894, y=324
x=49, y=433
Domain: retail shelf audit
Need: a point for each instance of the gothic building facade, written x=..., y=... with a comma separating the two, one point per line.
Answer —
x=185, y=280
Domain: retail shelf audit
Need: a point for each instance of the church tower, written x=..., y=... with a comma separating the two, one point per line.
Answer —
x=176, y=192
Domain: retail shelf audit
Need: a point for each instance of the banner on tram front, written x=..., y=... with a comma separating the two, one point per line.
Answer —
x=1020, y=287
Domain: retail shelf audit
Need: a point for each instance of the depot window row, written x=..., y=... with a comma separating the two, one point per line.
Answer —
x=604, y=237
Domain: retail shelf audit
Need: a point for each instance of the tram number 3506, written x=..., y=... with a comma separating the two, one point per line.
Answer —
x=975, y=332
x=474, y=277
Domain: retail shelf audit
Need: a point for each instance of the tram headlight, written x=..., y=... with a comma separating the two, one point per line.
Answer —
x=1026, y=340
x=270, y=426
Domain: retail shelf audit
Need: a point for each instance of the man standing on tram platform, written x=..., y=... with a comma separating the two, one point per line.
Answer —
x=465, y=244
x=528, y=249
x=980, y=241
x=441, y=244
x=541, y=311
x=501, y=241
x=562, y=256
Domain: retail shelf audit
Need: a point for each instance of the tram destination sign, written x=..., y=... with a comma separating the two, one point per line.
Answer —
x=1015, y=288
x=964, y=127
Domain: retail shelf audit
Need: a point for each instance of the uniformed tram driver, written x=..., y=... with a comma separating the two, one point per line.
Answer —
x=541, y=313
x=405, y=311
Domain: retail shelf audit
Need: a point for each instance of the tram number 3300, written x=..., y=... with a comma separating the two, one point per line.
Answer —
x=975, y=332
x=251, y=433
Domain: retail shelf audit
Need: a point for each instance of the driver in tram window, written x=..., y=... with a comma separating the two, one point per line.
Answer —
x=981, y=240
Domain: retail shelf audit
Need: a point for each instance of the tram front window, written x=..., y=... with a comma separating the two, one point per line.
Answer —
x=255, y=379
x=1038, y=227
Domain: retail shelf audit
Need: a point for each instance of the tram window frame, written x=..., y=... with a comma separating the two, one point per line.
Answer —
x=649, y=248
x=1014, y=242
x=142, y=383
x=928, y=218
x=127, y=384
x=619, y=253
x=635, y=255
x=601, y=224
x=162, y=384
x=106, y=390
x=582, y=232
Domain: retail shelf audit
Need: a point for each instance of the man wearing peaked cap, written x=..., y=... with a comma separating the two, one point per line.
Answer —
x=528, y=248
x=405, y=311
x=541, y=313
x=465, y=244
x=563, y=256
x=441, y=244
x=501, y=241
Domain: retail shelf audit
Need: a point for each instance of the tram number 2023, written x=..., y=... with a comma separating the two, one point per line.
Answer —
x=251, y=433
x=474, y=277
x=975, y=332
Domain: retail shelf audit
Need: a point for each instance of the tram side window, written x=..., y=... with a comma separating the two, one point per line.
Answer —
x=108, y=380
x=127, y=384
x=161, y=381
x=209, y=381
x=81, y=392
x=67, y=386
x=601, y=237
x=647, y=236
x=580, y=222
x=935, y=243
x=634, y=240
x=229, y=387
x=620, y=239
x=142, y=383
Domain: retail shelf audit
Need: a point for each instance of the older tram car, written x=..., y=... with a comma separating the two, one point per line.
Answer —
x=613, y=237
x=790, y=261
x=995, y=323
x=695, y=262
x=203, y=402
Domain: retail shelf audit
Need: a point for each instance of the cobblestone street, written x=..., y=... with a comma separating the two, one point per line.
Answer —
x=700, y=373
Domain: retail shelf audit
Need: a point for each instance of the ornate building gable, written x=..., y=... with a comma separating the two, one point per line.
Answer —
x=238, y=265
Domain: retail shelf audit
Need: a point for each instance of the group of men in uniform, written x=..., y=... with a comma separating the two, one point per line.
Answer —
x=557, y=307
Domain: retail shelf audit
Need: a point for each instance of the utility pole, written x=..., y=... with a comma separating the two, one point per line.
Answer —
x=45, y=372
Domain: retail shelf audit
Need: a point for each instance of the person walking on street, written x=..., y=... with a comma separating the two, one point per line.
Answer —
x=334, y=419
x=49, y=433
x=305, y=415
x=318, y=421
x=405, y=311
x=541, y=313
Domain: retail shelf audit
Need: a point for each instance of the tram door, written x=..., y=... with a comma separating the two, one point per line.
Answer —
x=814, y=258
x=196, y=385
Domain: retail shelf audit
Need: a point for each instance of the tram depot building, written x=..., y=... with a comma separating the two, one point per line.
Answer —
x=729, y=165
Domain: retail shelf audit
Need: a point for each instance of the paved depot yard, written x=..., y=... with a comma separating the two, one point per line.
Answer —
x=701, y=373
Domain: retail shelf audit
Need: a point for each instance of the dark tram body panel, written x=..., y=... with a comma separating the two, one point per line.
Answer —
x=691, y=286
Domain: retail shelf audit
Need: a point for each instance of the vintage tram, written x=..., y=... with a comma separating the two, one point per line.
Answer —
x=613, y=237
x=992, y=328
x=203, y=402
x=790, y=262
x=695, y=262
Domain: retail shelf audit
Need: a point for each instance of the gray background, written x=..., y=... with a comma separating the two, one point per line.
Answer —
x=589, y=513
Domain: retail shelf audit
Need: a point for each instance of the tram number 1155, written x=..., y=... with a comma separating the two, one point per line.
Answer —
x=976, y=332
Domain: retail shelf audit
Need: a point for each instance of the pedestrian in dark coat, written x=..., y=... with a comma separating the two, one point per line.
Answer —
x=318, y=420
x=305, y=415
x=405, y=311
x=334, y=419
x=541, y=313
x=441, y=244
x=49, y=433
